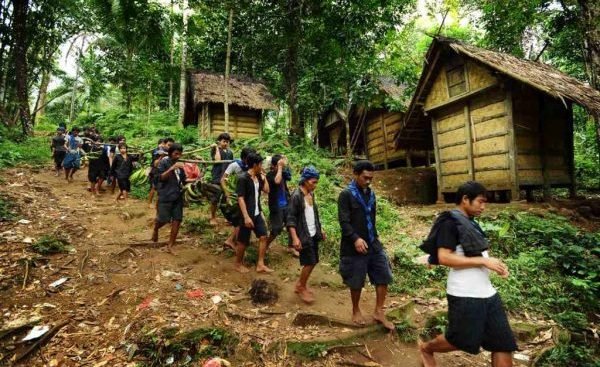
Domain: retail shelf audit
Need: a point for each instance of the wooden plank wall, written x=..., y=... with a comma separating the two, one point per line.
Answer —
x=243, y=123
x=376, y=142
x=479, y=153
x=531, y=109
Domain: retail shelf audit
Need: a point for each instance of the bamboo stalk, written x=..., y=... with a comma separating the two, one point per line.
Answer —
x=204, y=162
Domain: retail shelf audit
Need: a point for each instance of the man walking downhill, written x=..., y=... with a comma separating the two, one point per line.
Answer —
x=171, y=179
x=59, y=150
x=249, y=187
x=279, y=196
x=361, y=253
x=72, y=160
x=305, y=229
x=229, y=205
x=220, y=152
x=475, y=312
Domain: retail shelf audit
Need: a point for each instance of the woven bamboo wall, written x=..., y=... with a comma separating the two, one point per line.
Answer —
x=376, y=149
x=243, y=123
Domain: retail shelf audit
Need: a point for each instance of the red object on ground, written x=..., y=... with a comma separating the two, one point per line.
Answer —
x=196, y=293
x=145, y=303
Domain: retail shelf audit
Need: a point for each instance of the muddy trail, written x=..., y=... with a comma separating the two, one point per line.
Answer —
x=126, y=302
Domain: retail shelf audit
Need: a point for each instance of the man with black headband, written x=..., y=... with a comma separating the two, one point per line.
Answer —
x=279, y=197
x=305, y=229
x=361, y=252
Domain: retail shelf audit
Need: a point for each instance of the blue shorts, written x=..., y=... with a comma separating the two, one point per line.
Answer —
x=72, y=160
x=354, y=269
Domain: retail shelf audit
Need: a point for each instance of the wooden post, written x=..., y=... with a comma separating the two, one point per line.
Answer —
x=201, y=122
x=385, y=145
x=408, y=158
x=208, y=121
x=438, y=165
x=512, y=146
x=261, y=122
x=543, y=158
x=570, y=151
x=469, y=141
x=428, y=157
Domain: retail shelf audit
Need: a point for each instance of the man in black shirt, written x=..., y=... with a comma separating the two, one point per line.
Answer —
x=59, y=149
x=97, y=164
x=249, y=187
x=361, y=253
x=279, y=197
x=171, y=179
x=219, y=152
x=476, y=316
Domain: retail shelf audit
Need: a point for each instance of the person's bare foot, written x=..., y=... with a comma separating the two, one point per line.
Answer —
x=213, y=222
x=305, y=296
x=380, y=318
x=264, y=269
x=358, y=318
x=154, y=237
x=427, y=358
x=299, y=288
x=241, y=268
x=231, y=245
x=169, y=250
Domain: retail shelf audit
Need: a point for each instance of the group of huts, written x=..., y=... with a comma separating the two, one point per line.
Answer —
x=476, y=114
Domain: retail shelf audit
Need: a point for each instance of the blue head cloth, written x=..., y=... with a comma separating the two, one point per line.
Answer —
x=308, y=173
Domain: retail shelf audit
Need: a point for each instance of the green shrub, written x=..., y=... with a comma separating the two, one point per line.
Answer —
x=50, y=244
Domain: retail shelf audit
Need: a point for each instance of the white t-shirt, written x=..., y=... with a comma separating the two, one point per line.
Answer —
x=309, y=214
x=470, y=282
x=233, y=168
x=256, y=186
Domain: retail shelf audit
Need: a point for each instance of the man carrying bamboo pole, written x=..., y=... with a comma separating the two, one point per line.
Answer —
x=220, y=152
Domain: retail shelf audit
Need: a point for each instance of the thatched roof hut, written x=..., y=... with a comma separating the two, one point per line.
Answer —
x=372, y=127
x=495, y=118
x=247, y=101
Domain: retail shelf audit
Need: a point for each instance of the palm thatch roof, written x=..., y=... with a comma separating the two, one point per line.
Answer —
x=392, y=89
x=539, y=76
x=209, y=88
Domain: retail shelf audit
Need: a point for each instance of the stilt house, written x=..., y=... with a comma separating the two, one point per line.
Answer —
x=495, y=118
x=205, y=98
x=372, y=129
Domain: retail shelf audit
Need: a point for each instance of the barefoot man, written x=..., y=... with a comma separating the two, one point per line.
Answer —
x=361, y=253
x=171, y=178
x=476, y=316
x=305, y=229
x=249, y=187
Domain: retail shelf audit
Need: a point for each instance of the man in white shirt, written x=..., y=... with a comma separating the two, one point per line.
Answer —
x=475, y=312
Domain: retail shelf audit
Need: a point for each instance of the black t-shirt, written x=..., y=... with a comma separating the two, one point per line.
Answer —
x=170, y=189
x=245, y=188
x=219, y=169
x=58, y=143
x=447, y=236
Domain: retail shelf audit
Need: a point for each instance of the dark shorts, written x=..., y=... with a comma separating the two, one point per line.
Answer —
x=231, y=212
x=58, y=158
x=214, y=193
x=72, y=161
x=354, y=269
x=476, y=323
x=170, y=211
x=96, y=171
x=124, y=184
x=309, y=255
x=260, y=230
x=277, y=220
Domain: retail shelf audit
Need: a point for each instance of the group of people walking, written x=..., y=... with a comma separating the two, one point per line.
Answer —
x=475, y=312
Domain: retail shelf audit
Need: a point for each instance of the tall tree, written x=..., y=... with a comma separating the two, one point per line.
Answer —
x=227, y=69
x=20, y=60
x=182, y=73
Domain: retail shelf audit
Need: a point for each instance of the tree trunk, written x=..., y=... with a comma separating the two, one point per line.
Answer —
x=182, y=75
x=291, y=65
x=127, y=83
x=348, y=138
x=171, y=64
x=20, y=59
x=40, y=104
x=227, y=67
x=74, y=88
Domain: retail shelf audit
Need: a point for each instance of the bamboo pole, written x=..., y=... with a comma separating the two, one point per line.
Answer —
x=204, y=162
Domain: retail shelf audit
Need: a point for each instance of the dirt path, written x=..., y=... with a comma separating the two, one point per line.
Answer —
x=114, y=293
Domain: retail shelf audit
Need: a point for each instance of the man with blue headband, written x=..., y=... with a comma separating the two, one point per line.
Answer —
x=305, y=229
x=361, y=253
